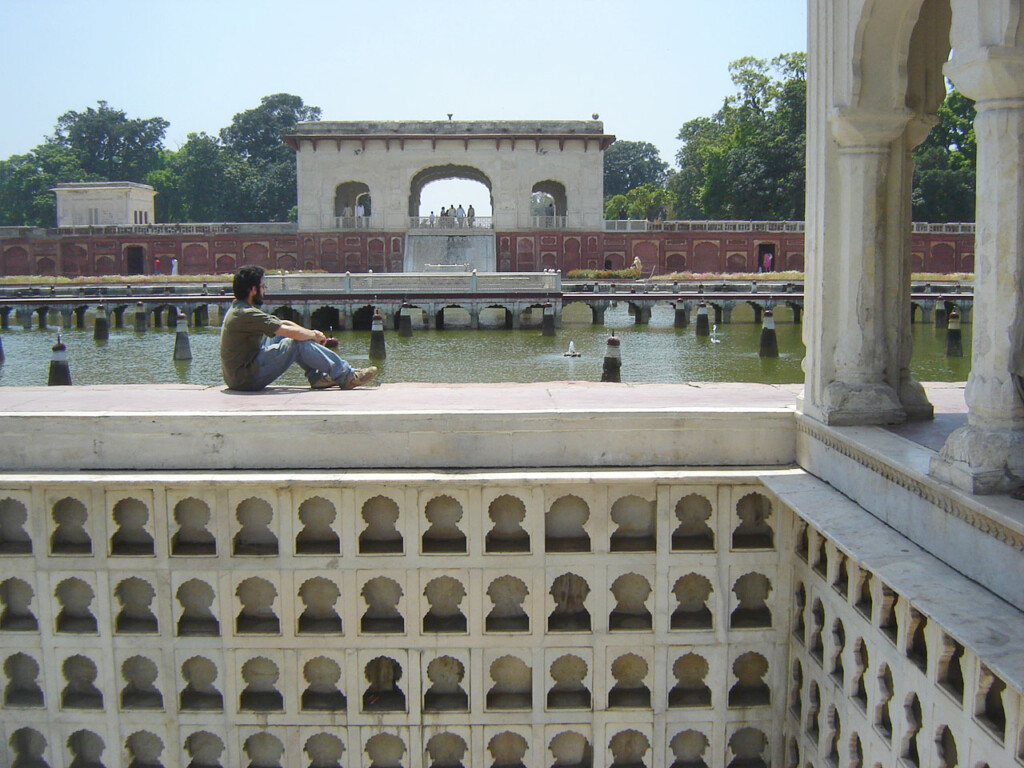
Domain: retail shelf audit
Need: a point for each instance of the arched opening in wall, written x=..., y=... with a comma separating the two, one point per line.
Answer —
x=446, y=693
x=22, y=689
x=28, y=747
x=799, y=604
x=838, y=645
x=263, y=750
x=144, y=749
x=257, y=616
x=16, y=598
x=444, y=596
x=80, y=691
x=70, y=537
x=548, y=204
x=865, y=600
x=628, y=749
x=635, y=531
x=131, y=537
x=317, y=536
x=326, y=319
x=815, y=644
x=140, y=691
x=444, y=536
x=692, y=592
x=570, y=613
x=385, y=751
x=352, y=203
x=383, y=693
x=324, y=750
x=630, y=690
x=322, y=692
x=441, y=187
x=564, y=525
x=691, y=688
x=319, y=617
x=693, y=532
x=569, y=690
x=382, y=596
x=446, y=750
x=513, y=684
x=507, y=534
x=136, y=615
x=507, y=750
x=856, y=752
x=749, y=747
x=910, y=750
x=571, y=750
x=813, y=727
x=192, y=537
x=989, y=707
x=260, y=694
x=917, y=644
x=820, y=564
x=753, y=531
x=14, y=539
x=630, y=613
x=689, y=748
x=751, y=590
x=508, y=594
x=951, y=673
x=255, y=536
x=200, y=694
x=841, y=581
x=197, y=619
x=74, y=597
x=86, y=748
x=945, y=745
x=380, y=536
x=134, y=260
x=750, y=689
x=204, y=749
x=883, y=713
x=796, y=702
x=861, y=661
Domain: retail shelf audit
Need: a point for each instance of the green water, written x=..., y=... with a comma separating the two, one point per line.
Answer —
x=653, y=353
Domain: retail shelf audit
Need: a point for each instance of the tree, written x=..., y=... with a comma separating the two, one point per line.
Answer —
x=267, y=189
x=945, y=164
x=648, y=201
x=26, y=181
x=109, y=145
x=630, y=164
x=747, y=160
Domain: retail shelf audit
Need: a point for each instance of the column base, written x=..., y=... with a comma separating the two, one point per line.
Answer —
x=915, y=401
x=981, y=461
x=847, y=405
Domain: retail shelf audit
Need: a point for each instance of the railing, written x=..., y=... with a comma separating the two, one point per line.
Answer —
x=966, y=228
x=352, y=222
x=451, y=222
x=548, y=222
x=261, y=227
x=641, y=225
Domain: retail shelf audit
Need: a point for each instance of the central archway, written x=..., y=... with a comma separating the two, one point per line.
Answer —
x=442, y=173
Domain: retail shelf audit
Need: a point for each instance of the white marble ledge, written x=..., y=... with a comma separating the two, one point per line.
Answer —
x=908, y=462
x=974, y=616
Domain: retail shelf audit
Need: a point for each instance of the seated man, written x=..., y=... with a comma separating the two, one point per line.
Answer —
x=256, y=348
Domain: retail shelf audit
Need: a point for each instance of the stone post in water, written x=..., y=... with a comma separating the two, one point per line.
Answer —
x=405, y=322
x=612, y=361
x=548, y=327
x=101, y=327
x=954, y=337
x=182, y=347
x=703, y=329
x=60, y=372
x=378, y=350
x=140, y=318
x=769, y=346
x=682, y=317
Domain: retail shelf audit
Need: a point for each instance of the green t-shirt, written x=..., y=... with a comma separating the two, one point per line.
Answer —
x=240, y=338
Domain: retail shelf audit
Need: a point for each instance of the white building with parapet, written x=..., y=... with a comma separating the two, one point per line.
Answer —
x=104, y=204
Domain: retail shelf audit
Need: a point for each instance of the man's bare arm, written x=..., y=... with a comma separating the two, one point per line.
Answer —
x=295, y=331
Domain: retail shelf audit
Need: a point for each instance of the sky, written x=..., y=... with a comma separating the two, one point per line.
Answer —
x=645, y=66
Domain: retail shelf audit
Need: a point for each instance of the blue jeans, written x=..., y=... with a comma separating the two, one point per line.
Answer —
x=279, y=352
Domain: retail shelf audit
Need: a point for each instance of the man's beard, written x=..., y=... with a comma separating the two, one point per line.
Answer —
x=257, y=300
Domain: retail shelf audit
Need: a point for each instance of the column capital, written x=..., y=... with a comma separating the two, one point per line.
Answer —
x=992, y=73
x=854, y=128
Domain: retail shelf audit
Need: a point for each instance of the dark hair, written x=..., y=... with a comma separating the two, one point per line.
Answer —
x=248, y=277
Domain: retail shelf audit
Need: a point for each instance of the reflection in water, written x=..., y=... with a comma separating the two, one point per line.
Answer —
x=653, y=353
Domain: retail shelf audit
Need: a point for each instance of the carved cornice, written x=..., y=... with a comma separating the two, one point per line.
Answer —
x=940, y=498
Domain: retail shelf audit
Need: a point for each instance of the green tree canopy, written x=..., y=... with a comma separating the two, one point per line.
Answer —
x=945, y=164
x=630, y=164
x=747, y=160
x=26, y=181
x=109, y=145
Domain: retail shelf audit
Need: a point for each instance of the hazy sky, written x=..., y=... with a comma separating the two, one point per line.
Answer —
x=645, y=66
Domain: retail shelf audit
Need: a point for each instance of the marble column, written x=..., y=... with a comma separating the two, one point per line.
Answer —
x=865, y=314
x=987, y=455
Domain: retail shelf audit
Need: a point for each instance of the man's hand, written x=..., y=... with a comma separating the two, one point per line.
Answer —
x=299, y=333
